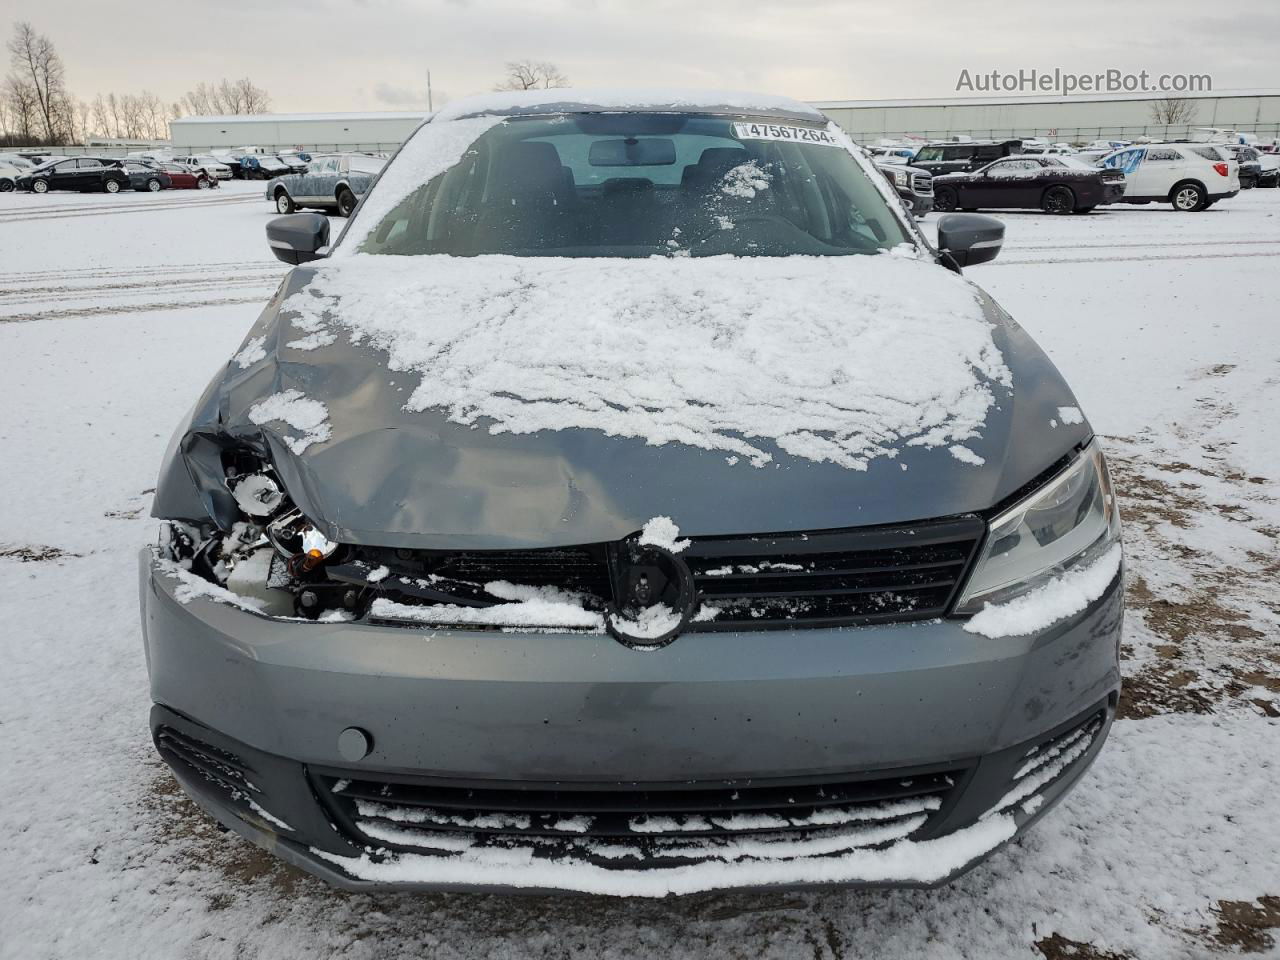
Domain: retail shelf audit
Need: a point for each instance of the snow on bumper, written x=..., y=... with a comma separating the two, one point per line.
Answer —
x=922, y=714
x=287, y=808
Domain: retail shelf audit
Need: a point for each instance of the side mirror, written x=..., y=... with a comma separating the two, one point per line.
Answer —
x=299, y=237
x=968, y=238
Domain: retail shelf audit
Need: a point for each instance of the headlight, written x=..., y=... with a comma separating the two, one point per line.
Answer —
x=1068, y=522
x=899, y=178
x=299, y=542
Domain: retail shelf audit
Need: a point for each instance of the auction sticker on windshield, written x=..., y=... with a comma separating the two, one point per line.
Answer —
x=782, y=131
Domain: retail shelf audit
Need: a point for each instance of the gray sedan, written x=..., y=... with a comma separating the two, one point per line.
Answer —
x=632, y=500
x=332, y=182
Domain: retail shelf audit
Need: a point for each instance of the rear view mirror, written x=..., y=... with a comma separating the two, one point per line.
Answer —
x=970, y=238
x=299, y=237
x=633, y=152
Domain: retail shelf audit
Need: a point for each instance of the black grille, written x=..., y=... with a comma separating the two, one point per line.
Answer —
x=568, y=567
x=1048, y=760
x=220, y=767
x=1044, y=764
x=458, y=577
x=622, y=822
x=868, y=575
x=827, y=578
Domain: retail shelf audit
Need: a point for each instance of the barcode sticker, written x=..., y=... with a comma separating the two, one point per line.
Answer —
x=782, y=131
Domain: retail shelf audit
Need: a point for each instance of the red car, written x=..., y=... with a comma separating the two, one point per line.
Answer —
x=187, y=178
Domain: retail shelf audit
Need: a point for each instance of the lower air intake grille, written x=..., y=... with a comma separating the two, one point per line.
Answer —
x=618, y=824
x=219, y=767
x=1048, y=761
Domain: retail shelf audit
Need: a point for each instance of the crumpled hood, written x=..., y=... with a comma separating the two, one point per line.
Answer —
x=411, y=402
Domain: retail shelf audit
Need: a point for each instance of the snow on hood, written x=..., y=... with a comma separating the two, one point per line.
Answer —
x=829, y=359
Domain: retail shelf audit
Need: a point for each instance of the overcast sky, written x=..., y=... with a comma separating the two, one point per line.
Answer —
x=314, y=55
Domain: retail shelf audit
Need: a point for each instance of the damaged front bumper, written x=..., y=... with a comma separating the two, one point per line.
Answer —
x=884, y=754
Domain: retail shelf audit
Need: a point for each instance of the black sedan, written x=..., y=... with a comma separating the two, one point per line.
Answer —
x=1051, y=184
x=143, y=174
x=83, y=174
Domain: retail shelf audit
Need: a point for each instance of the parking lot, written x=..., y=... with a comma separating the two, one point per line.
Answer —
x=113, y=306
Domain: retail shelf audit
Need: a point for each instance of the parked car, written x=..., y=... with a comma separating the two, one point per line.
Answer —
x=1251, y=166
x=1051, y=184
x=8, y=177
x=334, y=182
x=1269, y=164
x=83, y=174
x=468, y=578
x=914, y=185
x=211, y=165
x=146, y=175
x=1190, y=176
x=267, y=166
x=296, y=160
x=182, y=177
x=944, y=158
x=892, y=154
x=233, y=164
x=17, y=162
x=1048, y=150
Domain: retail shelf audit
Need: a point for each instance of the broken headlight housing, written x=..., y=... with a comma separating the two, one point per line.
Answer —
x=1068, y=522
x=272, y=554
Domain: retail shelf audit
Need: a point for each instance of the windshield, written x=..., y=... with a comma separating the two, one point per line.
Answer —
x=636, y=184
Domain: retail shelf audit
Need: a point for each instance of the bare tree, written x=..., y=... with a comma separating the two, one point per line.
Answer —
x=35, y=61
x=157, y=122
x=20, y=99
x=81, y=121
x=532, y=75
x=1172, y=111
x=228, y=97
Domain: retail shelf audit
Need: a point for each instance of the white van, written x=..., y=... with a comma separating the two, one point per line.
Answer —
x=1191, y=176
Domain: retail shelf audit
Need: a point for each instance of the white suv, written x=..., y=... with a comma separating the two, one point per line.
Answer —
x=1191, y=176
x=210, y=165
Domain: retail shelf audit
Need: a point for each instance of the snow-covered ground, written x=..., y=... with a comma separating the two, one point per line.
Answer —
x=114, y=313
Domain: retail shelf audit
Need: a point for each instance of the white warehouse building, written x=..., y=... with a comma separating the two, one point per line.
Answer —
x=376, y=131
x=1070, y=119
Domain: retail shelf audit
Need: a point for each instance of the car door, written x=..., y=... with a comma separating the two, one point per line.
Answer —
x=88, y=173
x=306, y=186
x=63, y=176
x=324, y=183
x=1159, y=171
x=1008, y=183
x=1137, y=181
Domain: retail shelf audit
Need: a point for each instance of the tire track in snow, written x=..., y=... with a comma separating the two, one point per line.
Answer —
x=63, y=294
x=177, y=269
x=125, y=309
x=1183, y=258
x=60, y=294
x=71, y=213
x=1157, y=244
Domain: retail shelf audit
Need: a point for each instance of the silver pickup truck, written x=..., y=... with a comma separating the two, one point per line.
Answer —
x=332, y=182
